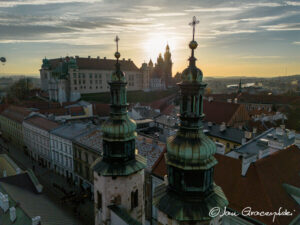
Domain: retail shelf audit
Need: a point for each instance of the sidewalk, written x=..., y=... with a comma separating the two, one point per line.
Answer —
x=47, y=177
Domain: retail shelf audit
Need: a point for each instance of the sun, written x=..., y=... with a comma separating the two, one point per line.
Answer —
x=156, y=43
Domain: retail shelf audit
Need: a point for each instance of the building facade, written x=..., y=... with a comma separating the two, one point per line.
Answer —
x=36, y=132
x=65, y=79
x=87, y=149
x=61, y=145
x=11, y=120
x=119, y=176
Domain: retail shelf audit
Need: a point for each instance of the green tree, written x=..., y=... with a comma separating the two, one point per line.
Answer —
x=20, y=89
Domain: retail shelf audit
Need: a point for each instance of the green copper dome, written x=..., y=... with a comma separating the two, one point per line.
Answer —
x=120, y=129
x=191, y=151
x=192, y=74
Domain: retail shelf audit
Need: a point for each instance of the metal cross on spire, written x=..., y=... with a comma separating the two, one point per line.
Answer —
x=117, y=42
x=193, y=24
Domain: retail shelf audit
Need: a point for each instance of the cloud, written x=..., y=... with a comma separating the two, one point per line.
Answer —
x=283, y=27
x=223, y=9
x=261, y=57
x=293, y=3
x=166, y=14
x=7, y=3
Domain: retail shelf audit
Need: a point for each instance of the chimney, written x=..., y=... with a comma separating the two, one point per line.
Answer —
x=104, y=58
x=243, y=141
x=222, y=127
x=166, y=180
x=89, y=56
x=12, y=214
x=98, y=57
x=36, y=220
x=129, y=60
x=123, y=59
x=4, y=203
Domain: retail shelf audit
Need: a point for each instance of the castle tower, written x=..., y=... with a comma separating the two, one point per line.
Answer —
x=167, y=67
x=119, y=176
x=190, y=192
x=240, y=87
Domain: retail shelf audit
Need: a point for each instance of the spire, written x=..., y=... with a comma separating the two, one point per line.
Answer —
x=119, y=133
x=167, y=48
x=192, y=73
x=240, y=86
x=193, y=44
x=190, y=154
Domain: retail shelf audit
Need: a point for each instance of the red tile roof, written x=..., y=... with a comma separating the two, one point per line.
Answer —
x=98, y=64
x=219, y=112
x=16, y=113
x=55, y=111
x=261, y=188
x=162, y=103
x=42, y=123
x=76, y=111
x=101, y=109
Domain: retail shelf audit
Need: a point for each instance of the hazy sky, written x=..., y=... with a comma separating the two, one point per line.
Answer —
x=237, y=37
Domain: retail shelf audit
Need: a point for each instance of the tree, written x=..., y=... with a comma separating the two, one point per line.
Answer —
x=20, y=89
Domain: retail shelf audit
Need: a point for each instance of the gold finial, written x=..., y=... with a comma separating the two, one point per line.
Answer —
x=193, y=44
x=117, y=54
x=193, y=24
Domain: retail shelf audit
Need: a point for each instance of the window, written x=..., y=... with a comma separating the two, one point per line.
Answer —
x=134, y=199
x=99, y=200
x=227, y=145
x=74, y=75
x=96, y=76
x=91, y=76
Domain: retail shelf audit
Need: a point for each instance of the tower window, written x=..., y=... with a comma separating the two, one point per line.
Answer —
x=134, y=199
x=99, y=200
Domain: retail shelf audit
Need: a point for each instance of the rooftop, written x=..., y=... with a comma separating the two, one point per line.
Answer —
x=212, y=110
x=72, y=130
x=282, y=137
x=16, y=113
x=97, y=64
x=42, y=122
x=262, y=188
x=149, y=148
x=91, y=139
x=8, y=165
x=229, y=133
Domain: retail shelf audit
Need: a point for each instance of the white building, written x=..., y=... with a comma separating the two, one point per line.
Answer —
x=65, y=79
x=36, y=133
x=62, y=148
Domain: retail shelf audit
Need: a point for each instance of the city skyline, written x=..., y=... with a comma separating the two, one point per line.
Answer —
x=261, y=38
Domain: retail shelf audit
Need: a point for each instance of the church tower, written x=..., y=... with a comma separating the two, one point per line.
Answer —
x=240, y=87
x=189, y=193
x=167, y=67
x=119, y=176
